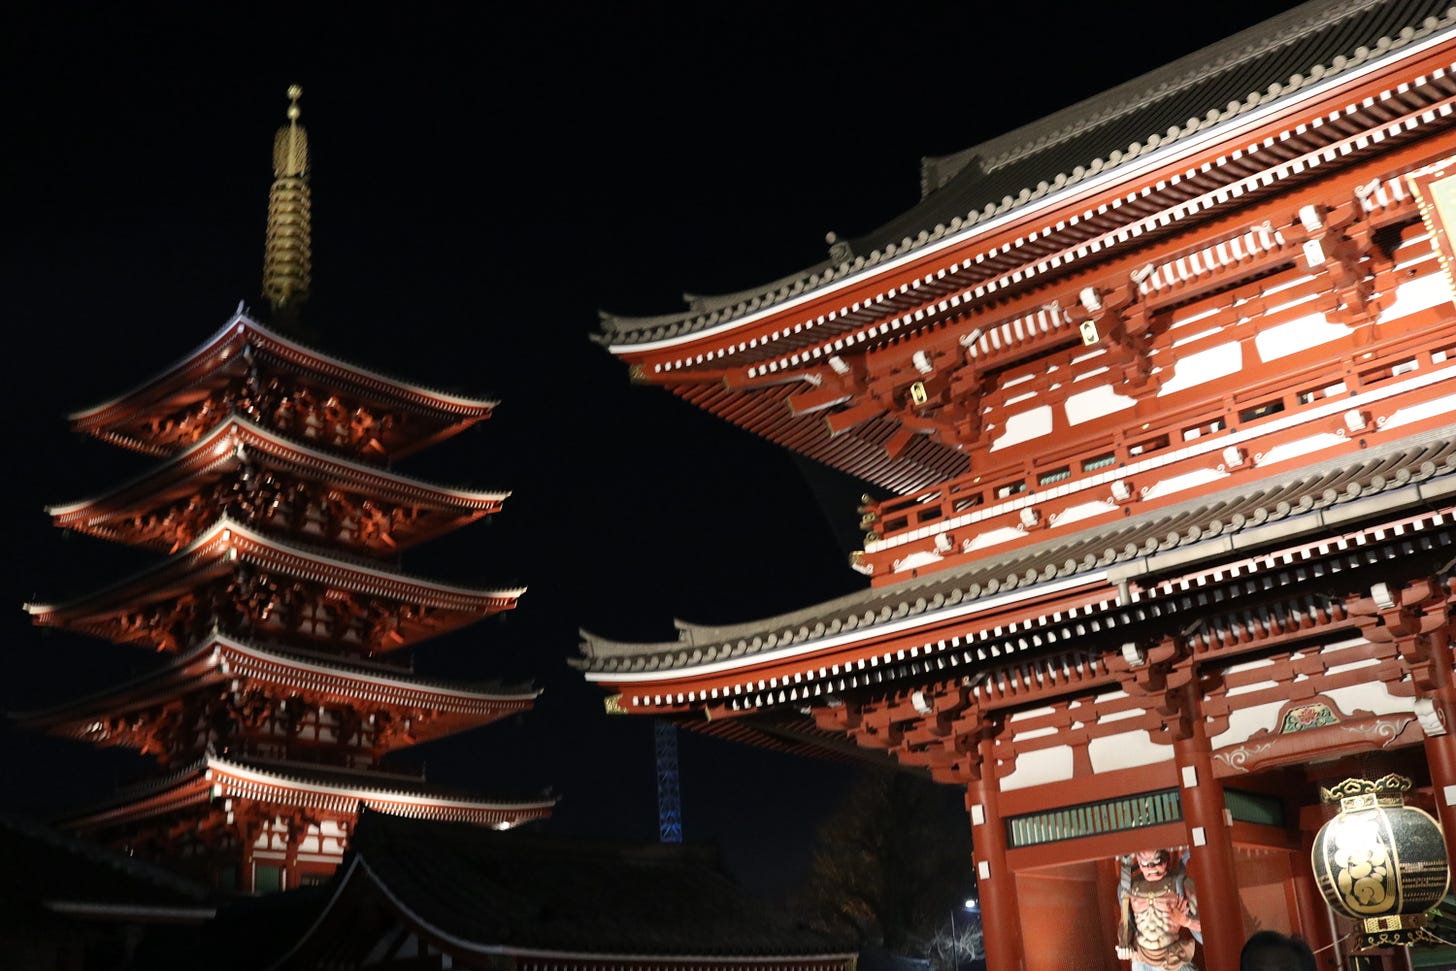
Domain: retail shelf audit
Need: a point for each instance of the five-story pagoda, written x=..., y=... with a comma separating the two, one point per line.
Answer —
x=283, y=619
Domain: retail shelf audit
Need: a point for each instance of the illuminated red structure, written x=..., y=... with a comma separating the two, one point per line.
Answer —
x=1163, y=389
x=282, y=623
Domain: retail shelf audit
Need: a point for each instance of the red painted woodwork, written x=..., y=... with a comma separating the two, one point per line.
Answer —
x=280, y=623
x=1170, y=441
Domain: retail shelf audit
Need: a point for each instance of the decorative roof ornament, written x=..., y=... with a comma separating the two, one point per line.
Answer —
x=288, y=246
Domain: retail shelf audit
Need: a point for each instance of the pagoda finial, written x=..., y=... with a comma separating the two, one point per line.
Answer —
x=287, y=251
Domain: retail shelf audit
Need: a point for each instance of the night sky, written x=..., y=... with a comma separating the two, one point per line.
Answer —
x=485, y=180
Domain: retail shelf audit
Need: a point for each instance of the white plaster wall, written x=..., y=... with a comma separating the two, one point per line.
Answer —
x=1127, y=750
x=1040, y=767
x=1294, y=336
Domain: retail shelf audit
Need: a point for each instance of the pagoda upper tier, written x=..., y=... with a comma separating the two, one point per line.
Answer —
x=251, y=584
x=244, y=700
x=255, y=475
x=285, y=386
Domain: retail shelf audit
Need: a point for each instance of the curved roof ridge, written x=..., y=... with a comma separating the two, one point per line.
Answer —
x=246, y=424
x=1062, y=150
x=706, y=303
x=288, y=545
x=1137, y=93
x=240, y=323
x=1406, y=463
x=346, y=667
x=712, y=309
x=492, y=689
x=969, y=195
x=354, y=561
x=697, y=635
x=593, y=644
x=375, y=781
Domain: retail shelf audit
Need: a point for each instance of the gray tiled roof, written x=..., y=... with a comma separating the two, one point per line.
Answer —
x=1415, y=472
x=58, y=867
x=1269, y=62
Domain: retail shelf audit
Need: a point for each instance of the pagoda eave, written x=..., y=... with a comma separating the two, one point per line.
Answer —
x=229, y=448
x=313, y=680
x=243, y=342
x=227, y=545
x=284, y=790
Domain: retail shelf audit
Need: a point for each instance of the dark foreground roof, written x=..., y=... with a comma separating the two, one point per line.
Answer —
x=65, y=875
x=482, y=891
x=67, y=903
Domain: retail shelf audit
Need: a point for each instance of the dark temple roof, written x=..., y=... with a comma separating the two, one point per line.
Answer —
x=63, y=872
x=520, y=890
x=1270, y=61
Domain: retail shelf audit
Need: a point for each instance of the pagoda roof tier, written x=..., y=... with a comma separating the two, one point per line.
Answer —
x=242, y=345
x=806, y=361
x=284, y=788
x=316, y=679
x=240, y=442
x=226, y=547
x=987, y=612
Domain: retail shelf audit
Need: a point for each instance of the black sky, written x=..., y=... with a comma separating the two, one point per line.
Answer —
x=486, y=178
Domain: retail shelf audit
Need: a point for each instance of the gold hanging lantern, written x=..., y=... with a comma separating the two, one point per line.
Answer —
x=1380, y=862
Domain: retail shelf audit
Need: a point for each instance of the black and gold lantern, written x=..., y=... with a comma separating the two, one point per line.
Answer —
x=1380, y=862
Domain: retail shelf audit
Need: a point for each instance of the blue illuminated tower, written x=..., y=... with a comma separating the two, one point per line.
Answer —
x=669, y=802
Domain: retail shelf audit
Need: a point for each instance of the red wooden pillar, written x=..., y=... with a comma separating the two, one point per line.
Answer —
x=1439, y=724
x=297, y=830
x=1422, y=627
x=1316, y=921
x=1000, y=919
x=1215, y=879
x=1441, y=758
x=247, y=877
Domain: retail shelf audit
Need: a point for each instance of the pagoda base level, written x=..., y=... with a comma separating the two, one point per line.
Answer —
x=246, y=848
x=254, y=829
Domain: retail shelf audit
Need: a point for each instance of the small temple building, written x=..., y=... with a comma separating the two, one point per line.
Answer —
x=1162, y=390
x=279, y=617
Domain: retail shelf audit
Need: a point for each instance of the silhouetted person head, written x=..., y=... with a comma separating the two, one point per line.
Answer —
x=1273, y=951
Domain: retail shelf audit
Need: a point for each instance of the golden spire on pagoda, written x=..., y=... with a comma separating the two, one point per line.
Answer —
x=288, y=247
